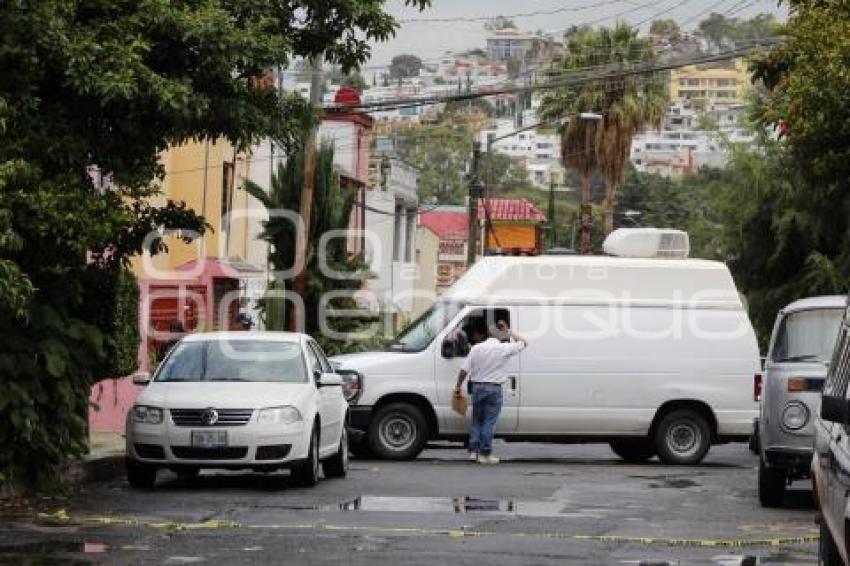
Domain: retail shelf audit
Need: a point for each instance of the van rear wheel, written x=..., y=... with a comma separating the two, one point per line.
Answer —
x=399, y=431
x=636, y=450
x=772, y=482
x=682, y=438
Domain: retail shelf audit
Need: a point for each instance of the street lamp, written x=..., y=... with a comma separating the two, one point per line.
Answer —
x=590, y=116
x=632, y=216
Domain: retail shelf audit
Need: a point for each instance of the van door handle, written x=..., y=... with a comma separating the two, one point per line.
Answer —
x=513, y=382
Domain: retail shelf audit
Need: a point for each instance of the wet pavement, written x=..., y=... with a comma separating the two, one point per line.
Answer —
x=545, y=504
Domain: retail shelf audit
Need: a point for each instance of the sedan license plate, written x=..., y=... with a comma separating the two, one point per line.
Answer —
x=209, y=438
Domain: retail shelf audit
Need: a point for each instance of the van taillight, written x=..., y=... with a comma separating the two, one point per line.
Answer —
x=757, y=387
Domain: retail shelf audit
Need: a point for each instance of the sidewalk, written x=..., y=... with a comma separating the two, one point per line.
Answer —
x=104, y=461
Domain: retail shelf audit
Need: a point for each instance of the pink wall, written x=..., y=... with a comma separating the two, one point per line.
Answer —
x=109, y=402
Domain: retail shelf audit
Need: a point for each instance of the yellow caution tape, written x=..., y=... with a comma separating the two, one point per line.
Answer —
x=776, y=541
x=62, y=516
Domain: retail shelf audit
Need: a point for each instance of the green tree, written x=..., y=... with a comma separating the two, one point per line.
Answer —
x=110, y=84
x=405, y=66
x=666, y=28
x=721, y=31
x=351, y=79
x=502, y=173
x=442, y=154
x=792, y=239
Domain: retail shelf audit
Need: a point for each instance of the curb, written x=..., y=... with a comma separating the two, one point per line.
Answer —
x=93, y=469
x=89, y=470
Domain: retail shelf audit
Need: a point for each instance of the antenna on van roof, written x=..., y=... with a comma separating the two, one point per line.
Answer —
x=647, y=242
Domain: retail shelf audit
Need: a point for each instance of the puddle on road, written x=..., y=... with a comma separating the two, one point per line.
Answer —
x=727, y=560
x=453, y=505
x=450, y=505
x=749, y=560
x=672, y=481
x=459, y=505
x=674, y=484
x=50, y=552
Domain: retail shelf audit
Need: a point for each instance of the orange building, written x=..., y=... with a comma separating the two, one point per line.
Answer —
x=516, y=227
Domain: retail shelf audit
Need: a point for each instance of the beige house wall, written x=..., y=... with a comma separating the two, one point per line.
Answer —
x=427, y=254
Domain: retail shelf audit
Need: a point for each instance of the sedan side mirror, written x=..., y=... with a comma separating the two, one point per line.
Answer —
x=834, y=409
x=328, y=380
x=141, y=378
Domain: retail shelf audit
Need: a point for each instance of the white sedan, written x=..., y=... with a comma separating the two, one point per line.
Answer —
x=239, y=400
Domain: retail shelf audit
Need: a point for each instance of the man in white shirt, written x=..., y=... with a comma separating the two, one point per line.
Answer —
x=485, y=367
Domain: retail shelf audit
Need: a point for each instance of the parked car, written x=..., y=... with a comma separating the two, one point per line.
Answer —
x=831, y=457
x=650, y=352
x=795, y=368
x=239, y=400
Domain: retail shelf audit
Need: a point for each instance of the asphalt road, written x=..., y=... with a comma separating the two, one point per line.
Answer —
x=545, y=504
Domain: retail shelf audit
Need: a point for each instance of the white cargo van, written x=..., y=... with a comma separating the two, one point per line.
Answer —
x=654, y=356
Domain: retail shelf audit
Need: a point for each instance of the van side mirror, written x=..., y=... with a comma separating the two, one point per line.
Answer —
x=141, y=378
x=447, y=349
x=834, y=409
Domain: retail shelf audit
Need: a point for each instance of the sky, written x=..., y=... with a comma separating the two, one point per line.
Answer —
x=430, y=40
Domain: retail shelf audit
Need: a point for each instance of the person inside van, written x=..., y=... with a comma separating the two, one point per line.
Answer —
x=485, y=368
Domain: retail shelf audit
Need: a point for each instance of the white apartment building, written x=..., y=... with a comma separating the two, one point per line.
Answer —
x=390, y=222
x=682, y=146
x=508, y=43
x=540, y=150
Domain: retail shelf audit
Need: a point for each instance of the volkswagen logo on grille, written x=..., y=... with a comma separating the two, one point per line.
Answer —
x=209, y=417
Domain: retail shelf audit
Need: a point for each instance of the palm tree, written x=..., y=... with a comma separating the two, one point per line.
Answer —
x=622, y=104
x=631, y=103
x=331, y=210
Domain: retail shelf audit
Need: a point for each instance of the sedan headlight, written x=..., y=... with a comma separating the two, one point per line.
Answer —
x=279, y=415
x=795, y=416
x=147, y=415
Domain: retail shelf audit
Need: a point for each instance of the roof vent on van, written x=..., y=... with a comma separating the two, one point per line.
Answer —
x=647, y=242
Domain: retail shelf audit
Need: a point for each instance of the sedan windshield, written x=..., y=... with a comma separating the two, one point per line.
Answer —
x=234, y=360
x=807, y=336
x=422, y=331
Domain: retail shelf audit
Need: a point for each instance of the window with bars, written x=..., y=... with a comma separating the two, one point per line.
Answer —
x=839, y=368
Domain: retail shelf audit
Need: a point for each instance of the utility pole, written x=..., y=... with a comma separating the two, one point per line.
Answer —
x=474, y=194
x=551, y=211
x=299, y=283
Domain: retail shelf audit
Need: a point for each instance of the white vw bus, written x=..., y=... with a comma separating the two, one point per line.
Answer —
x=652, y=353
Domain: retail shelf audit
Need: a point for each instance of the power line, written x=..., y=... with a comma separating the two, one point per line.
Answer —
x=702, y=13
x=615, y=71
x=661, y=13
x=511, y=16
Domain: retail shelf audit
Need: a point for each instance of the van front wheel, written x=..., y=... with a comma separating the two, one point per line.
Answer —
x=399, y=431
x=683, y=437
x=633, y=451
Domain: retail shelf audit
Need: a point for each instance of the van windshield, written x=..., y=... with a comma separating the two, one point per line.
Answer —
x=807, y=336
x=422, y=331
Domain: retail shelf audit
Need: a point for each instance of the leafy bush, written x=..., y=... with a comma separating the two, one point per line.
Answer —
x=112, y=294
